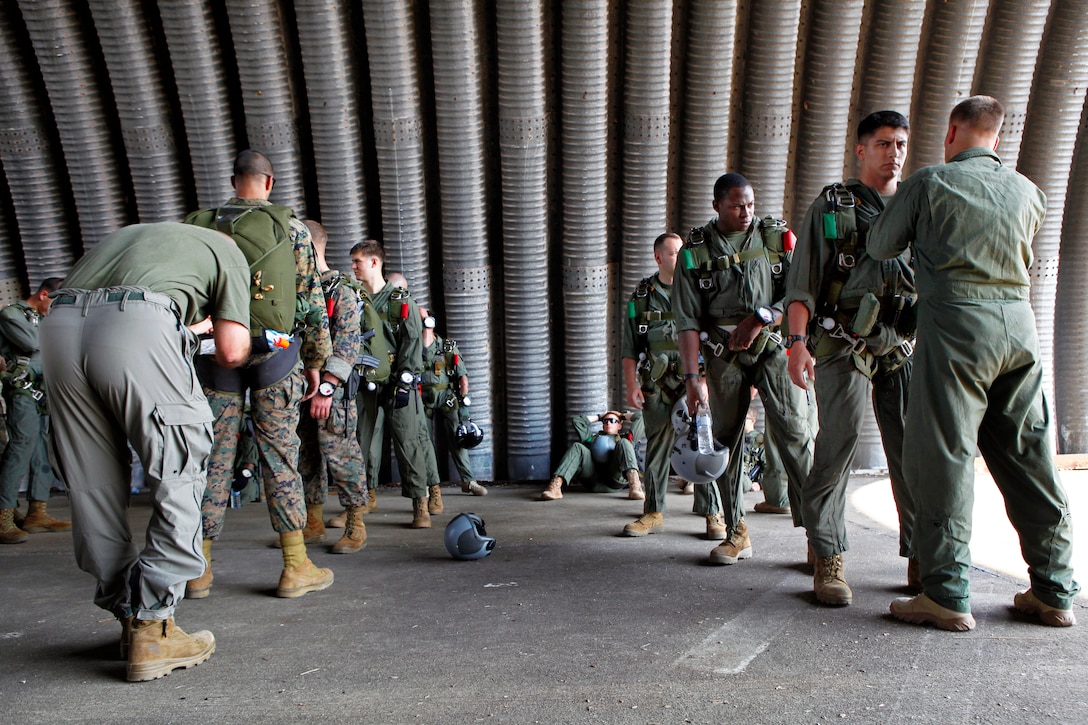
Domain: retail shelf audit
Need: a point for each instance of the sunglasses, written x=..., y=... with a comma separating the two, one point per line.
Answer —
x=610, y=421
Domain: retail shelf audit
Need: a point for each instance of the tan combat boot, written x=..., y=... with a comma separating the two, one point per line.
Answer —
x=421, y=518
x=201, y=587
x=648, y=523
x=159, y=646
x=314, y=531
x=371, y=500
x=126, y=634
x=737, y=546
x=635, y=491
x=554, y=490
x=829, y=583
x=37, y=521
x=434, y=499
x=474, y=488
x=299, y=575
x=715, y=527
x=354, y=537
x=340, y=520
x=9, y=532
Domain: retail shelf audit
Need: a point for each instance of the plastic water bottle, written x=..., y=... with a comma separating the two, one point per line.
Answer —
x=235, y=499
x=704, y=430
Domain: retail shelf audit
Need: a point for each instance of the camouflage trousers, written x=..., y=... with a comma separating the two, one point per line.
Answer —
x=275, y=412
x=330, y=450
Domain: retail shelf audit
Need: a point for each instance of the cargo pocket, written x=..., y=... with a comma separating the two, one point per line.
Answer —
x=184, y=440
x=337, y=422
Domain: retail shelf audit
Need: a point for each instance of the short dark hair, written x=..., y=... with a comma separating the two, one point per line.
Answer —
x=727, y=182
x=252, y=163
x=878, y=120
x=660, y=241
x=982, y=113
x=50, y=284
x=369, y=248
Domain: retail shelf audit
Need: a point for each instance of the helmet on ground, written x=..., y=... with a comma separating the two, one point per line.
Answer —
x=466, y=538
x=691, y=465
x=601, y=447
x=679, y=417
x=469, y=435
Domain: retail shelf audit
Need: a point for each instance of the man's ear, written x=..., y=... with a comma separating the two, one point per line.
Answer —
x=950, y=137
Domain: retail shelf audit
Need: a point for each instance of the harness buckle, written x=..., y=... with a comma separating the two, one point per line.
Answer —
x=776, y=269
x=907, y=347
x=847, y=261
x=839, y=197
x=705, y=283
x=717, y=348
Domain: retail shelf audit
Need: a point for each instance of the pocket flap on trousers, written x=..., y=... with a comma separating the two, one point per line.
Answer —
x=196, y=411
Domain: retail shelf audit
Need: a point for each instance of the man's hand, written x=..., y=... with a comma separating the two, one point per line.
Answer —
x=320, y=407
x=801, y=364
x=635, y=398
x=203, y=327
x=463, y=383
x=696, y=395
x=313, y=379
x=745, y=334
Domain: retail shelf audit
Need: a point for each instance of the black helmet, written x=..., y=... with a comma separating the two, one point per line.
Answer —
x=469, y=435
x=466, y=538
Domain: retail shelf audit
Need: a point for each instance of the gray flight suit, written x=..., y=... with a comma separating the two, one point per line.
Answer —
x=719, y=282
x=847, y=364
x=649, y=337
x=117, y=358
x=977, y=375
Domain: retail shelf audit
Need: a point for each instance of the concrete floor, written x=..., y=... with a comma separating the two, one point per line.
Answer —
x=566, y=622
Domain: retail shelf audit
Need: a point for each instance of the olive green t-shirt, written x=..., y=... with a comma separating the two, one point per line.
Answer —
x=202, y=270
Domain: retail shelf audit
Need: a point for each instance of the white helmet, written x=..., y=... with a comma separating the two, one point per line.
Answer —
x=679, y=417
x=691, y=465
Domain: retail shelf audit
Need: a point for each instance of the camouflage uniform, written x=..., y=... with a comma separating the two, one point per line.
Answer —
x=443, y=368
x=274, y=409
x=27, y=425
x=411, y=442
x=331, y=445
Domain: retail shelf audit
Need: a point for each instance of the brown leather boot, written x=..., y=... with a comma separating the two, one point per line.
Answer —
x=9, y=532
x=635, y=491
x=201, y=587
x=421, y=518
x=299, y=575
x=434, y=499
x=736, y=547
x=159, y=647
x=371, y=500
x=648, y=523
x=715, y=527
x=340, y=520
x=554, y=490
x=37, y=521
x=829, y=583
x=314, y=531
x=354, y=537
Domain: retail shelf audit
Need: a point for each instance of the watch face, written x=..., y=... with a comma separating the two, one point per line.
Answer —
x=406, y=377
x=766, y=315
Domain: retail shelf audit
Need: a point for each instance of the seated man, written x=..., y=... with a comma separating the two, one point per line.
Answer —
x=603, y=461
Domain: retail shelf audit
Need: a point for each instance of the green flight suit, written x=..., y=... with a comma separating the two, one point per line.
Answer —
x=715, y=300
x=117, y=358
x=846, y=365
x=27, y=424
x=649, y=337
x=977, y=376
x=601, y=473
x=443, y=368
x=329, y=449
x=398, y=402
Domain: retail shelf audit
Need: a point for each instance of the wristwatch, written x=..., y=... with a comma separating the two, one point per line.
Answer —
x=406, y=377
x=765, y=315
x=326, y=389
x=790, y=339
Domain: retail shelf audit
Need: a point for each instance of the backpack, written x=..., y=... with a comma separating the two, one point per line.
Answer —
x=262, y=232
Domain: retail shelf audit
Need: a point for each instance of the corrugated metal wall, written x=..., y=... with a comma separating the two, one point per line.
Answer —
x=519, y=156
